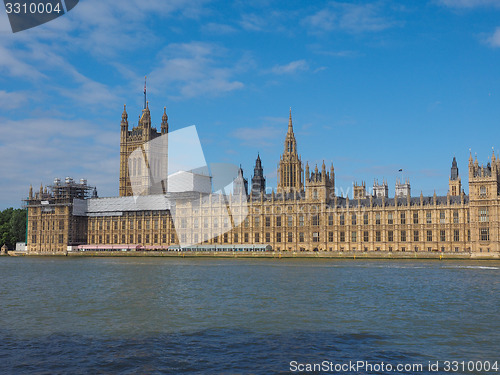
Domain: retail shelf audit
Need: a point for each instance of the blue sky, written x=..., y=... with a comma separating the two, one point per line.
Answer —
x=373, y=86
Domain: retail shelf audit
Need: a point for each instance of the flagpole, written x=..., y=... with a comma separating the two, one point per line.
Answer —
x=144, y=92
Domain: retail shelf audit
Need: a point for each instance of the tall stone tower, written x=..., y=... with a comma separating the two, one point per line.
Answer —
x=290, y=177
x=320, y=185
x=455, y=181
x=240, y=184
x=258, y=179
x=403, y=188
x=137, y=138
x=484, y=195
x=359, y=190
x=380, y=190
x=484, y=181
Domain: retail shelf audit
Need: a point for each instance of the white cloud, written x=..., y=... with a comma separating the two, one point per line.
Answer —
x=263, y=136
x=290, y=68
x=253, y=22
x=42, y=62
x=469, y=3
x=12, y=100
x=197, y=69
x=4, y=24
x=268, y=19
x=105, y=29
x=218, y=28
x=12, y=64
x=494, y=40
x=90, y=93
x=39, y=149
x=354, y=18
x=324, y=19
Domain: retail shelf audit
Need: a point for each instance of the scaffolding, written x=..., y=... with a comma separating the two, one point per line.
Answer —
x=60, y=193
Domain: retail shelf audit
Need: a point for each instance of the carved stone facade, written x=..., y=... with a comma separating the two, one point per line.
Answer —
x=304, y=214
x=131, y=140
x=290, y=178
x=51, y=224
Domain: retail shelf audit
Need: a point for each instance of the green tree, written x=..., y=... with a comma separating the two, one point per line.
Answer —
x=12, y=227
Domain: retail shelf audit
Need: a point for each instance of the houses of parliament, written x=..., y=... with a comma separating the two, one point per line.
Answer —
x=303, y=214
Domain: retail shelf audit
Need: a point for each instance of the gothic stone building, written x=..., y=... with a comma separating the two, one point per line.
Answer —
x=304, y=214
x=136, y=139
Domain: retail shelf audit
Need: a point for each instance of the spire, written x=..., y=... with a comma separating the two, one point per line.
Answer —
x=290, y=167
x=454, y=169
x=124, y=117
x=258, y=179
x=493, y=158
x=164, y=121
x=145, y=100
x=332, y=176
x=30, y=195
x=258, y=163
x=240, y=184
x=41, y=189
x=290, y=143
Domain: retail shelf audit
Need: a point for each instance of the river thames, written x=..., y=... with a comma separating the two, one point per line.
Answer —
x=243, y=316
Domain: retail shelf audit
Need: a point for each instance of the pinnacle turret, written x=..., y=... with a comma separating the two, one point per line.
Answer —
x=124, y=122
x=454, y=169
x=164, y=121
x=258, y=179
